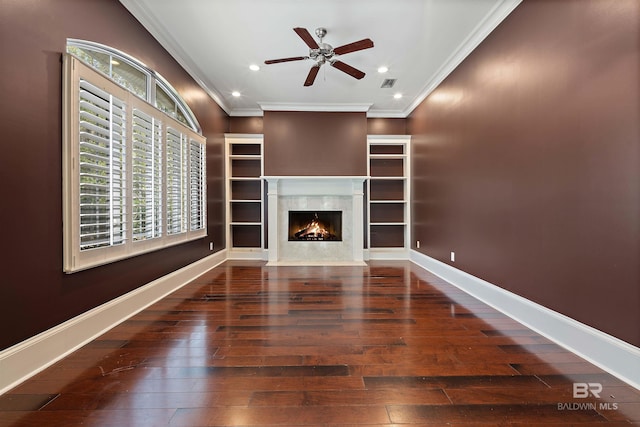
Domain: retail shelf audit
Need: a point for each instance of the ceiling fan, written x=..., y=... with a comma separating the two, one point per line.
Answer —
x=322, y=53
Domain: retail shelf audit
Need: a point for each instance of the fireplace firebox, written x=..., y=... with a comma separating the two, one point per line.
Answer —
x=313, y=226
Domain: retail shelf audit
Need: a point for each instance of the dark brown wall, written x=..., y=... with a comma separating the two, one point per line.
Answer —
x=246, y=125
x=375, y=126
x=386, y=126
x=35, y=294
x=315, y=143
x=527, y=161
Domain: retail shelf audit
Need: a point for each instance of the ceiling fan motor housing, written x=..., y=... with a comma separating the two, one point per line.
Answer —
x=323, y=53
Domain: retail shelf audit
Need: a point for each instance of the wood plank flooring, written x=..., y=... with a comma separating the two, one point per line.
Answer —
x=381, y=345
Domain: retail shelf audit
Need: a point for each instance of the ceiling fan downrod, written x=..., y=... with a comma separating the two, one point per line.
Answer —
x=321, y=32
x=324, y=51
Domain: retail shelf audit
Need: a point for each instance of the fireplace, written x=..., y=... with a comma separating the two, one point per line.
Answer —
x=315, y=226
x=313, y=196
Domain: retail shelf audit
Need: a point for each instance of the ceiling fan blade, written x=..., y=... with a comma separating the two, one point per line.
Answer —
x=306, y=37
x=294, y=58
x=352, y=47
x=346, y=68
x=311, y=77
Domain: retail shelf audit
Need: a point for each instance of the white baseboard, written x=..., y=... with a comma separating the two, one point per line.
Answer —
x=25, y=359
x=315, y=263
x=388, y=254
x=247, y=254
x=31, y=356
x=611, y=354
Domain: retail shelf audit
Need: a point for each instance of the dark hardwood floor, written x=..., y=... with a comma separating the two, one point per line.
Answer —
x=387, y=344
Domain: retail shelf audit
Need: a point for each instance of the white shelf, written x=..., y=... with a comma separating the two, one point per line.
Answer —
x=388, y=156
x=245, y=157
x=388, y=178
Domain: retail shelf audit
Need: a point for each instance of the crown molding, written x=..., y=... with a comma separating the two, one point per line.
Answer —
x=499, y=12
x=246, y=112
x=163, y=35
x=283, y=106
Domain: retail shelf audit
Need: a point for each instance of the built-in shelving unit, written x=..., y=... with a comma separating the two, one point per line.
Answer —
x=244, y=195
x=388, y=195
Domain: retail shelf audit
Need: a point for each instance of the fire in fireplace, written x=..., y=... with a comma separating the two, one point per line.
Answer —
x=315, y=225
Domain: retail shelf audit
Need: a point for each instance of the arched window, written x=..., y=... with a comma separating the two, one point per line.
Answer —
x=136, y=77
x=134, y=160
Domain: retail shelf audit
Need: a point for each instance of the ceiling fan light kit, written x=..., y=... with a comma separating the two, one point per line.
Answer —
x=323, y=53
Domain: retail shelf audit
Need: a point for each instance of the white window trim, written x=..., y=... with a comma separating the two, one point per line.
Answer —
x=76, y=259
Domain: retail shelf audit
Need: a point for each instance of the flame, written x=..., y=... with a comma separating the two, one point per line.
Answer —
x=314, y=229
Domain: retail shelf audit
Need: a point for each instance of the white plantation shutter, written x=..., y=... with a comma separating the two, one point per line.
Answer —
x=134, y=178
x=176, y=181
x=147, y=176
x=197, y=179
x=102, y=163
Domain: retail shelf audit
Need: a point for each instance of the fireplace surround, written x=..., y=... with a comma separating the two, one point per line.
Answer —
x=343, y=194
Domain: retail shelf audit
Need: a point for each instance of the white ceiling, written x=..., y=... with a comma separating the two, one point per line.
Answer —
x=420, y=41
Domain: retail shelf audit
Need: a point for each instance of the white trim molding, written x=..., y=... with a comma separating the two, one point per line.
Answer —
x=611, y=354
x=498, y=14
x=35, y=354
x=256, y=254
x=25, y=359
x=317, y=107
x=388, y=254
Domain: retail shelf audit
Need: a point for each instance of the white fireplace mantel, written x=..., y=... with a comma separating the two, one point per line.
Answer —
x=343, y=193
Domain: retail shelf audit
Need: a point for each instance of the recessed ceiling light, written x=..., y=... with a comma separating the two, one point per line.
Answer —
x=114, y=62
x=383, y=69
x=397, y=96
x=254, y=67
x=235, y=93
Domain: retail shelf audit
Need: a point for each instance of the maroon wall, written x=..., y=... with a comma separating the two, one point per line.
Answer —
x=375, y=126
x=35, y=294
x=386, y=126
x=246, y=125
x=315, y=143
x=527, y=161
